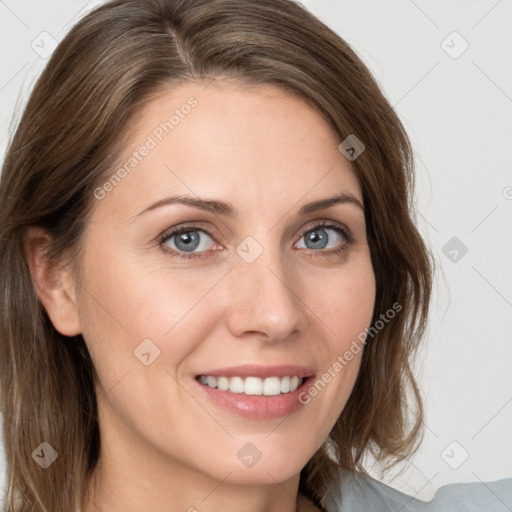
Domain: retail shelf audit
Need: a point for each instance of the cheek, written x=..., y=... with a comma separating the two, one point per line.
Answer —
x=129, y=301
x=344, y=303
x=344, y=311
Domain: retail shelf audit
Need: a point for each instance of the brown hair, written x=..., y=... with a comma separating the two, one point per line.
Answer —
x=67, y=142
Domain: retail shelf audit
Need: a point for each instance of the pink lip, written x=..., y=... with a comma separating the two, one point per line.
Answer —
x=259, y=406
x=253, y=370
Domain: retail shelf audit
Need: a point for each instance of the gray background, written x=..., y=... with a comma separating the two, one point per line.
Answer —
x=446, y=67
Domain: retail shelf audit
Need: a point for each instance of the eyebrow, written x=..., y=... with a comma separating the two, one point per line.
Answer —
x=227, y=209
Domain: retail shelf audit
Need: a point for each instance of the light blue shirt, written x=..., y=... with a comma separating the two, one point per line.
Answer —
x=358, y=493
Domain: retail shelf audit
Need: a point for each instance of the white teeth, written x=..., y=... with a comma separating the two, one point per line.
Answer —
x=236, y=385
x=223, y=383
x=271, y=386
x=253, y=386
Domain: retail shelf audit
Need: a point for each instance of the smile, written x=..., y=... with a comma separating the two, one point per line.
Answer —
x=270, y=386
x=256, y=391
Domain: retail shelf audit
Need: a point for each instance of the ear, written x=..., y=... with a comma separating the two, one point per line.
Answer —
x=55, y=286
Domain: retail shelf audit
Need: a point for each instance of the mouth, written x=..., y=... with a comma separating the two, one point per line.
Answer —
x=255, y=391
x=253, y=386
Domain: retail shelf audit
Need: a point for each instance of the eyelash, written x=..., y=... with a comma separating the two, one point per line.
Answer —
x=199, y=255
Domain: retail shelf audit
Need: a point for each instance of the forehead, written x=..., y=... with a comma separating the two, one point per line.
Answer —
x=254, y=145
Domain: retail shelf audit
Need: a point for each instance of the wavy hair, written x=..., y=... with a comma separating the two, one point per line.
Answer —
x=66, y=143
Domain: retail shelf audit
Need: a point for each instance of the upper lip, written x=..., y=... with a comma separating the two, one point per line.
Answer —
x=253, y=370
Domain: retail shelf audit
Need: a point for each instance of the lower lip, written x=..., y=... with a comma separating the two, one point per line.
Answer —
x=257, y=406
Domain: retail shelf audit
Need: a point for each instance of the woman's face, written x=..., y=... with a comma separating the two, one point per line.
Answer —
x=259, y=288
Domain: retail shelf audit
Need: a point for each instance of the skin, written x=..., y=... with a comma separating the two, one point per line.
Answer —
x=165, y=445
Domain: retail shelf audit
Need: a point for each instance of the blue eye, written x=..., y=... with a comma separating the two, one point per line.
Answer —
x=187, y=240
x=192, y=241
x=319, y=236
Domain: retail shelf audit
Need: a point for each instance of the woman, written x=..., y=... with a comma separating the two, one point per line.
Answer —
x=207, y=217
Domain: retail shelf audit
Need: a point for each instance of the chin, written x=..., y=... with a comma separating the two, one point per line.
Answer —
x=268, y=464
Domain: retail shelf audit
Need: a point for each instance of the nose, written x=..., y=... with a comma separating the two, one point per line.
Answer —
x=264, y=300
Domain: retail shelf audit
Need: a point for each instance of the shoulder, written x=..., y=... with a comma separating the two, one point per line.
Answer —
x=356, y=492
